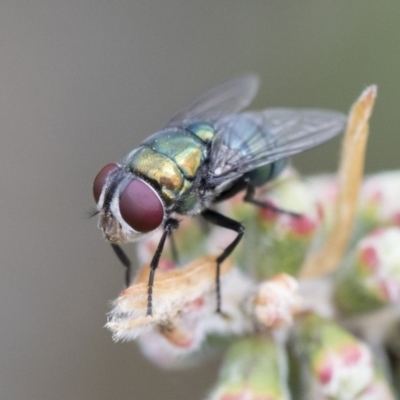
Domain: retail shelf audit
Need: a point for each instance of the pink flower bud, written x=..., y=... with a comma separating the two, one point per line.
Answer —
x=254, y=368
x=324, y=188
x=371, y=275
x=379, y=198
x=277, y=301
x=290, y=194
x=342, y=366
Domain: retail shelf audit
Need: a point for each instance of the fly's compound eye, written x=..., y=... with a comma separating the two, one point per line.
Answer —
x=141, y=207
x=100, y=180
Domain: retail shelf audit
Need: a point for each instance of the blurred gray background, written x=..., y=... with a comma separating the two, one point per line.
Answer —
x=81, y=83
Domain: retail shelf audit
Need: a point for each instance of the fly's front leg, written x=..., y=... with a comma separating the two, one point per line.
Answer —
x=174, y=250
x=125, y=261
x=249, y=198
x=170, y=225
x=225, y=222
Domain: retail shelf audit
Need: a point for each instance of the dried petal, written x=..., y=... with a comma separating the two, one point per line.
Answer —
x=184, y=304
x=350, y=175
x=173, y=291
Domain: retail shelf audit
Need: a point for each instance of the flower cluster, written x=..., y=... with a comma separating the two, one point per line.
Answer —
x=310, y=302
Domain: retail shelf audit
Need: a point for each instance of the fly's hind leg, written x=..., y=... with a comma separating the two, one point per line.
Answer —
x=228, y=223
x=245, y=184
x=249, y=198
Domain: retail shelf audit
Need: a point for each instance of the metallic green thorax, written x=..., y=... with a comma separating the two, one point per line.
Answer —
x=171, y=159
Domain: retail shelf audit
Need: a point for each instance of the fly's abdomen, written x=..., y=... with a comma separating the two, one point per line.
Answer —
x=267, y=172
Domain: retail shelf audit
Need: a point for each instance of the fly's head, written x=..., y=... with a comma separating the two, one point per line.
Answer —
x=129, y=207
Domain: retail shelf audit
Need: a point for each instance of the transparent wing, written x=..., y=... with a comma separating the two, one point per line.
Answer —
x=250, y=140
x=228, y=98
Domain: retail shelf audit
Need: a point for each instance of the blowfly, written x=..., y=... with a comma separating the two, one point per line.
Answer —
x=207, y=153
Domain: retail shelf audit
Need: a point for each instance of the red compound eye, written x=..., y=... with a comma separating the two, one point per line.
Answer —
x=100, y=180
x=141, y=207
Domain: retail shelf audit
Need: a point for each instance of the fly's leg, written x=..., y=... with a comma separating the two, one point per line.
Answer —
x=125, y=261
x=249, y=198
x=237, y=187
x=170, y=225
x=174, y=250
x=225, y=222
x=245, y=184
